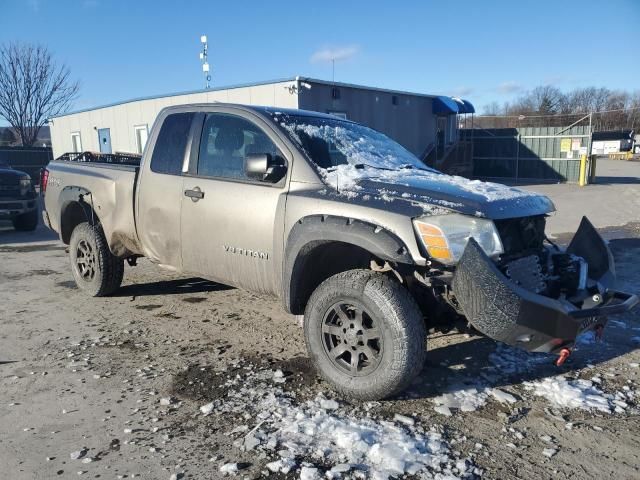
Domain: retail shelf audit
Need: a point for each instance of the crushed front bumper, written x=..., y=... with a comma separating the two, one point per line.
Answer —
x=506, y=312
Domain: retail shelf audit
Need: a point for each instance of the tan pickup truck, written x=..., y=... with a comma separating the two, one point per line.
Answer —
x=342, y=224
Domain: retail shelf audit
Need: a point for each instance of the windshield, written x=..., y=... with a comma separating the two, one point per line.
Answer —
x=330, y=143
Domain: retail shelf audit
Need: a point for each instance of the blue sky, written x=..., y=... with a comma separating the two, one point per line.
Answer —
x=482, y=50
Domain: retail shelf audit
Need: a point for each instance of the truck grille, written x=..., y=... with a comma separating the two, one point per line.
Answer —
x=10, y=206
x=522, y=234
x=11, y=191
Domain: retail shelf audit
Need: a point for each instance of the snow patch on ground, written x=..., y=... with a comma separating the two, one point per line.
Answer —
x=469, y=399
x=319, y=433
x=229, y=469
x=467, y=395
x=580, y=393
x=560, y=391
x=466, y=399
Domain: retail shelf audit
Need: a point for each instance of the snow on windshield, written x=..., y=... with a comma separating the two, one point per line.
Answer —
x=330, y=144
x=347, y=153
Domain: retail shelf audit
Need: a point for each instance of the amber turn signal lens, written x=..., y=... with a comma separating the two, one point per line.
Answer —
x=439, y=253
x=435, y=241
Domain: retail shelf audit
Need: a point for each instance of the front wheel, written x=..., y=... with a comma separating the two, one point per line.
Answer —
x=365, y=334
x=95, y=269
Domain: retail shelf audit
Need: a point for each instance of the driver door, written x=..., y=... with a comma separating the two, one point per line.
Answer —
x=231, y=225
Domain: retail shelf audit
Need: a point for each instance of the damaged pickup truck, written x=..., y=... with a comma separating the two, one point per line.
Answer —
x=341, y=223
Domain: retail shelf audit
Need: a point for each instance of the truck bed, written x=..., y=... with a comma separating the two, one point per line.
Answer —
x=104, y=181
x=127, y=159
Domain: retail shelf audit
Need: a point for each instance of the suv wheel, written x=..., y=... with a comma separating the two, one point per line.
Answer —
x=365, y=334
x=95, y=269
x=27, y=222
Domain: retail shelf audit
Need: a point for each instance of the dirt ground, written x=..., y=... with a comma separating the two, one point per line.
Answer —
x=112, y=387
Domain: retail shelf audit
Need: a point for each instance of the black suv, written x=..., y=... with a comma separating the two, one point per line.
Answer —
x=18, y=200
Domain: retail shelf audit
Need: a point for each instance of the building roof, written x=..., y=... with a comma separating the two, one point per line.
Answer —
x=267, y=110
x=274, y=111
x=253, y=84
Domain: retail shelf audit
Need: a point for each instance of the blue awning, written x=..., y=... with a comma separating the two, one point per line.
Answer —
x=468, y=107
x=464, y=106
x=451, y=106
x=445, y=106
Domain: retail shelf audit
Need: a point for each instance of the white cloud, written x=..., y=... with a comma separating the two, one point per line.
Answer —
x=338, y=54
x=462, y=91
x=509, y=87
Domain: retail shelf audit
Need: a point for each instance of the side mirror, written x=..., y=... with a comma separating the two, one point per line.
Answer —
x=264, y=167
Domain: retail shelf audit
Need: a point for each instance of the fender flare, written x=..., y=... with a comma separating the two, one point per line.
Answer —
x=75, y=195
x=314, y=230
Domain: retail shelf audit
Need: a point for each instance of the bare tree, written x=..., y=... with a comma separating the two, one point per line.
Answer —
x=492, y=108
x=548, y=106
x=33, y=88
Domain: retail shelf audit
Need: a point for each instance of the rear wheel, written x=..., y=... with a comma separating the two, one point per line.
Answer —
x=365, y=334
x=95, y=269
x=27, y=222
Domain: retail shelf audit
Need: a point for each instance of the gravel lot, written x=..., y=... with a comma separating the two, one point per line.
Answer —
x=181, y=377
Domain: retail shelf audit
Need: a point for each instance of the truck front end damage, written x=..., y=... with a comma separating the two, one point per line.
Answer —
x=539, y=297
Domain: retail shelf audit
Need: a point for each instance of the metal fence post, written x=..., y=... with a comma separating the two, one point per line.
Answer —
x=592, y=168
x=518, y=155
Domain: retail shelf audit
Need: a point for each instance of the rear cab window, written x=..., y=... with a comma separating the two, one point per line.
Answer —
x=170, y=147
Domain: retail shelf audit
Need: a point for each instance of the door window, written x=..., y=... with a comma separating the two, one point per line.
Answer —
x=226, y=141
x=170, y=147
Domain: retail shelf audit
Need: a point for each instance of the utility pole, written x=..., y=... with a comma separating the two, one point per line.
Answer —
x=205, y=63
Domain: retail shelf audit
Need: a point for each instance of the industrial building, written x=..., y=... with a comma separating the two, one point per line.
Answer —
x=427, y=125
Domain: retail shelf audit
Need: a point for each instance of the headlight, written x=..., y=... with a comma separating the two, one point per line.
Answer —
x=25, y=182
x=446, y=236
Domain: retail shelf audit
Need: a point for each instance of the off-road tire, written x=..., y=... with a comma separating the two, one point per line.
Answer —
x=107, y=268
x=398, y=317
x=27, y=222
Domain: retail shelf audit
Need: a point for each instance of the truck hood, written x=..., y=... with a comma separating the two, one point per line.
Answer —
x=9, y=176
x=469, y=197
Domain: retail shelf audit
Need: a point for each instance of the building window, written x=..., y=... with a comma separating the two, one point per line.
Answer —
x=335, y=93
x=76, y=142
x=342, y=115
x=394, y=100
x=142, y=133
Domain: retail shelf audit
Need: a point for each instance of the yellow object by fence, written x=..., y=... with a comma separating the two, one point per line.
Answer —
x=582, y=180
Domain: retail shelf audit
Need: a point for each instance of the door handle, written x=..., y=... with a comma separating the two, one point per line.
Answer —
x=195, y=194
